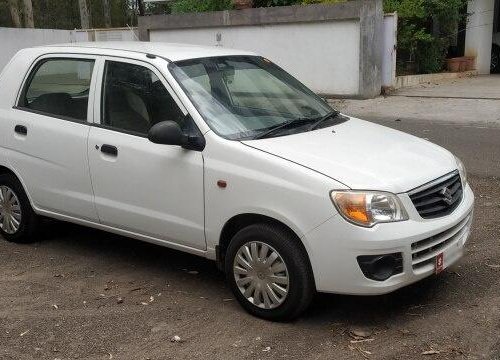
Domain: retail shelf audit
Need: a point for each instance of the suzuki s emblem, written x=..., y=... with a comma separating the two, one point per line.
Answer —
x=447, y=196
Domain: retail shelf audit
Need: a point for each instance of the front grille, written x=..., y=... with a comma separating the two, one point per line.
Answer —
x=439, y=197
x=424, y=252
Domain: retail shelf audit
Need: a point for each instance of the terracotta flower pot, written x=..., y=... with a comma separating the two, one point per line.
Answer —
x=454, y=64
x=460, y=64
x=242, y=4
x=470, y=62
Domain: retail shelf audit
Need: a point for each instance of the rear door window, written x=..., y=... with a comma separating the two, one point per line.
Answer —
x=59, y=88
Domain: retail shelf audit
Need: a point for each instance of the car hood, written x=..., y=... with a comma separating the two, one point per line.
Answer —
x=363, y=155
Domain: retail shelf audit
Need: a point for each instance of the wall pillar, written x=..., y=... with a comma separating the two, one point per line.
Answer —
x=478, y=38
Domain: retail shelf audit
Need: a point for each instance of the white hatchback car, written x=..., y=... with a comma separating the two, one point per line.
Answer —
x=222, y=154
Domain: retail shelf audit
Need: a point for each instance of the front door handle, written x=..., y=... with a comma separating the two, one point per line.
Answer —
x=21, y=130
x=109, y=150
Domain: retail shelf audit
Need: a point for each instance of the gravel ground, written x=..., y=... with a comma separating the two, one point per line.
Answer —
x=85, y=294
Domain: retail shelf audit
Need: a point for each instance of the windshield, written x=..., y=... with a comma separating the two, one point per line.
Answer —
x=241, y=97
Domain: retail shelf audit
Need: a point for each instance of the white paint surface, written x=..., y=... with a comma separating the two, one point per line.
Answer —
x=323, y=55
x=479, y=33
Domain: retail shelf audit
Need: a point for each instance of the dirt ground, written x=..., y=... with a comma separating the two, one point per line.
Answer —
x=85, y=294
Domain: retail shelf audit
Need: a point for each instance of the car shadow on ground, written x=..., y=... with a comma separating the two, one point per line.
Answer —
x=66, y=239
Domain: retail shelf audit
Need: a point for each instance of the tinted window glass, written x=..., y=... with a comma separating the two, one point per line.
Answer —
x=134, y=99
x=60, y=87
x=241, y=97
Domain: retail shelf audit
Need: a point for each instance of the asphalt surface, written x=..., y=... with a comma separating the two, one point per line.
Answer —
x=85, y=294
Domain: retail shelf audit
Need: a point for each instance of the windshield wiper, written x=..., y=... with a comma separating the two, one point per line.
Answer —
x=290, y=124
x=331, y=114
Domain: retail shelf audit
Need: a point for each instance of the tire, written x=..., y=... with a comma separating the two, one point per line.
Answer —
x=294, y=278
x=15, y=204
x=495, y=59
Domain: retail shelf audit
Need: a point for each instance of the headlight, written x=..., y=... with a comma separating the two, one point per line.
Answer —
x=367, y=208
x=462, y=171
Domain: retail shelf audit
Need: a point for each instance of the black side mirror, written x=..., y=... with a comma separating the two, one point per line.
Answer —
x=170, y=133
x=167, y=133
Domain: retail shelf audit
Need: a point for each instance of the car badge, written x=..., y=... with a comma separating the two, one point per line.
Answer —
x=447, y=195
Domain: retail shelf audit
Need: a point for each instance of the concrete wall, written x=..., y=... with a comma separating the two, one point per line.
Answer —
x=479, y=32
x=325, y=69
x=12, y=40
x=113, y=34
x=333, y=49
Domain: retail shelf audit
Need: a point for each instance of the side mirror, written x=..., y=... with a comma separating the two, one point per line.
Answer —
x=170, y=133
x=167, y=133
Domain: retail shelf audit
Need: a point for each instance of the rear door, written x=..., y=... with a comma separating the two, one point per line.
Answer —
x=145, y=188
x=49, y=134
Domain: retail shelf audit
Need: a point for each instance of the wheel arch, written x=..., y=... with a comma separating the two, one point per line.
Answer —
x=240, y=221
x=6, y=170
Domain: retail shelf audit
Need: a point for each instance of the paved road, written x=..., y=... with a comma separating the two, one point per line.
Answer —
x=85, y=294
x=476, y=87
x=478, y=146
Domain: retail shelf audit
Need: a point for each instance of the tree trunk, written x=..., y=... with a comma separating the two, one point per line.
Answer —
x=107, y=13
x=14, y=13
x=140, y=5
x=28, y=14
x=84, y=14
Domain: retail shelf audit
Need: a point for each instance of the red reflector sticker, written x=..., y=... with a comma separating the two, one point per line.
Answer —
x=439, y=263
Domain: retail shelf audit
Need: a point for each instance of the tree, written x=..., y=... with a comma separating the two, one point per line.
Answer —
x=425, y=32
x=140, y=5
x=85, y=17
x=107, y=13
x=14, y=13
x=28, y=14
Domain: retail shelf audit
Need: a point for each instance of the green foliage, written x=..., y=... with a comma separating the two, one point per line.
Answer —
x=65, y=14
x=425, y=29
x=431, y=57
x=183, y=6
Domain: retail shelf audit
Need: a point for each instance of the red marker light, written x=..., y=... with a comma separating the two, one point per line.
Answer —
x=222, y=184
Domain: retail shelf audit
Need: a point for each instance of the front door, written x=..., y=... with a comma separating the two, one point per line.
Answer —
x=145, y=188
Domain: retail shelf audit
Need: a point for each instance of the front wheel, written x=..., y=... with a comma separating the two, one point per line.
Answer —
x=269, y=272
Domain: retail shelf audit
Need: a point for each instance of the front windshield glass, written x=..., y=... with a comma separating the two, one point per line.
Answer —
x=241, y=97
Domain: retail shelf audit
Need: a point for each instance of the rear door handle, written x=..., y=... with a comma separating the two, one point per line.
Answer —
x=21, y=130
x=109, y=150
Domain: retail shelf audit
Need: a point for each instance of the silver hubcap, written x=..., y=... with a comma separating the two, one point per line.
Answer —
x=261, y=275
x=10, y=210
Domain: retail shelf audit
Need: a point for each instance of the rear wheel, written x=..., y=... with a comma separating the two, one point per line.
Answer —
x=269, y=272
x=18, y=222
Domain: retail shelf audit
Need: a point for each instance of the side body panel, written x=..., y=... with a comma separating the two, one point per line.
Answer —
x=51, y=158
x=264, y=184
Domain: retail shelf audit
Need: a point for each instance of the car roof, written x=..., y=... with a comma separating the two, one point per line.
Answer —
x=170, y=51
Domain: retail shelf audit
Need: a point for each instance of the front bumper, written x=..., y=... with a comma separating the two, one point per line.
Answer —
x=335, y=245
